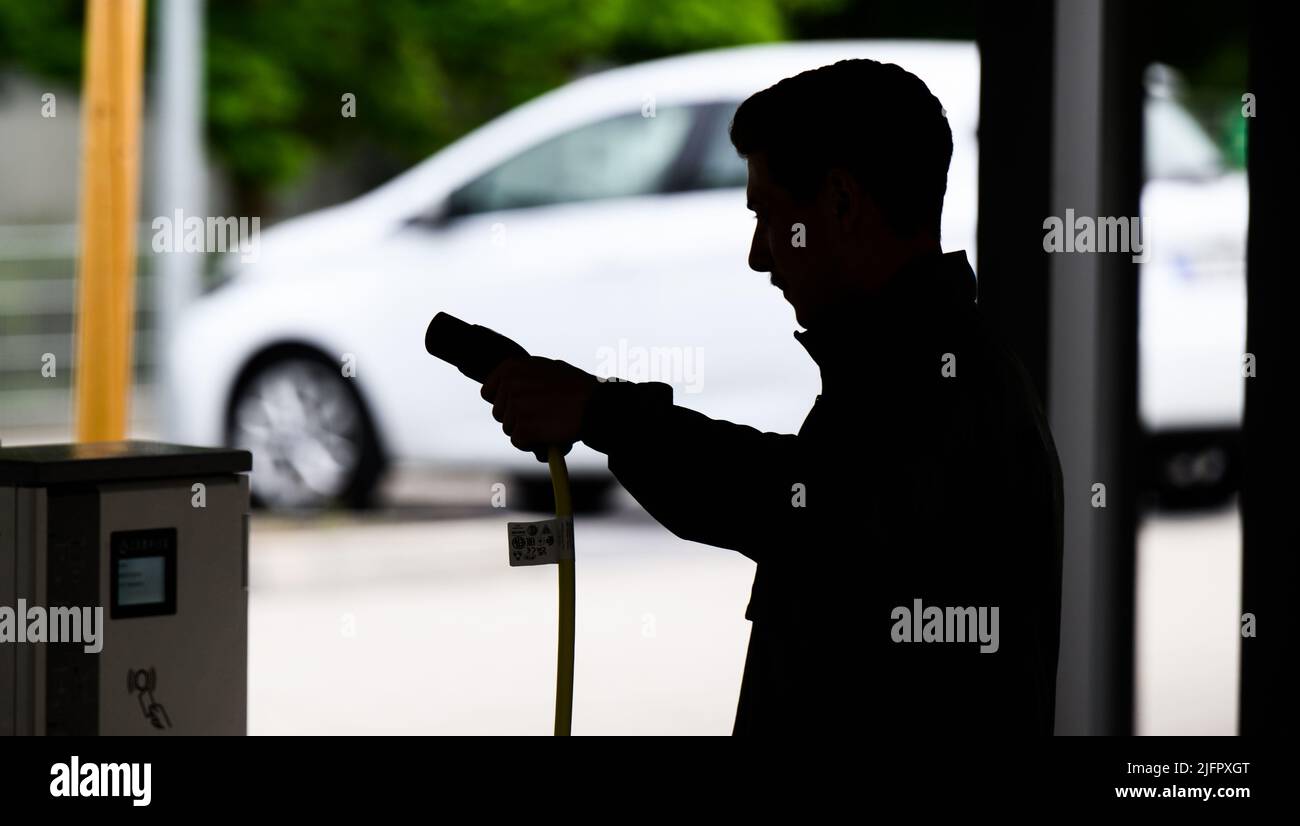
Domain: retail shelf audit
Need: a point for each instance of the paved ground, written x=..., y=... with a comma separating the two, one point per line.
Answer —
x=1188, y=614
x=413, y=623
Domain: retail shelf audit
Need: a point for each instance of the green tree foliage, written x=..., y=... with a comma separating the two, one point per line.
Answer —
x=423, y=71
x=426, y=71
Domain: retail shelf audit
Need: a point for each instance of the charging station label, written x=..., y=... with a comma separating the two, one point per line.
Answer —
x=540, y=543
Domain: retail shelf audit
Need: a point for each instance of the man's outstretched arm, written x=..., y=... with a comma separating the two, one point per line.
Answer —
x=705, y=480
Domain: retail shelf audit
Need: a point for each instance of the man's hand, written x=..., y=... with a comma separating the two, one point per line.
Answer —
x=539, y=402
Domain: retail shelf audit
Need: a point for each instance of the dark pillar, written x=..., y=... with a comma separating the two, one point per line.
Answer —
x=1270, y=540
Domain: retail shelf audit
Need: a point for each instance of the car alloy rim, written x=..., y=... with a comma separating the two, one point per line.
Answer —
x=304, y=430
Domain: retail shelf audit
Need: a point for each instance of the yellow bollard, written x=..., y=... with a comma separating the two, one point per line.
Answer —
x=110, y=180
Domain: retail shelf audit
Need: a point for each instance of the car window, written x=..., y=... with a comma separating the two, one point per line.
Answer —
x=1176, y=145
x=720, y=167
x=620, y=157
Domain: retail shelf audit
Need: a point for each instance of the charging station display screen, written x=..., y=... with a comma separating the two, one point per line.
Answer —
x=141, y=581
x=144, y=573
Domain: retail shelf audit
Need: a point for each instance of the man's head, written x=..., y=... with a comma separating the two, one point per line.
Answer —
x=848, y=165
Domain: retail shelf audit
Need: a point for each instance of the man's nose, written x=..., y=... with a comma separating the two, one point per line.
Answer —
x=759, y=258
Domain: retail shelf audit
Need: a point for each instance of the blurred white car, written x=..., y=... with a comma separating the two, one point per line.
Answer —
x=603, y=223
x=1192, y=303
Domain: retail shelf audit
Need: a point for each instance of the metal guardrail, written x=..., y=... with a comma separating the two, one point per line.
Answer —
x=38, y=266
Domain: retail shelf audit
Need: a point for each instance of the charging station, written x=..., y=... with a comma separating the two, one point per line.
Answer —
x=152, y=539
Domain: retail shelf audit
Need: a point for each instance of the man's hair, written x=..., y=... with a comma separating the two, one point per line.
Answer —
x=876, y=120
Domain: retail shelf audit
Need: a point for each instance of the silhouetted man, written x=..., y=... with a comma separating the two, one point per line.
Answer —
x=908, y=539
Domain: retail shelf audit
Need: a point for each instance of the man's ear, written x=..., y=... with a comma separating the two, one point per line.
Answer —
x=850, y=205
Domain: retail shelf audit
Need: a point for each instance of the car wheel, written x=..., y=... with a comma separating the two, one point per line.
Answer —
x=1193, y=470
x=312, y=441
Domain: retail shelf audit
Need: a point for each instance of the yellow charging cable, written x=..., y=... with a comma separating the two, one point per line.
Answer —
x=564, y=656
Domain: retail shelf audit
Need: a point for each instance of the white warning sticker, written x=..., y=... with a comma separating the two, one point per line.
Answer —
x=540, y=543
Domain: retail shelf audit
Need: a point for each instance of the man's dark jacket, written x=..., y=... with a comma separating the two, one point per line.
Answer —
x=924, y=471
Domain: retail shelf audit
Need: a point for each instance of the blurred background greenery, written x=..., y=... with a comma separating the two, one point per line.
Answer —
x=426, y=72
